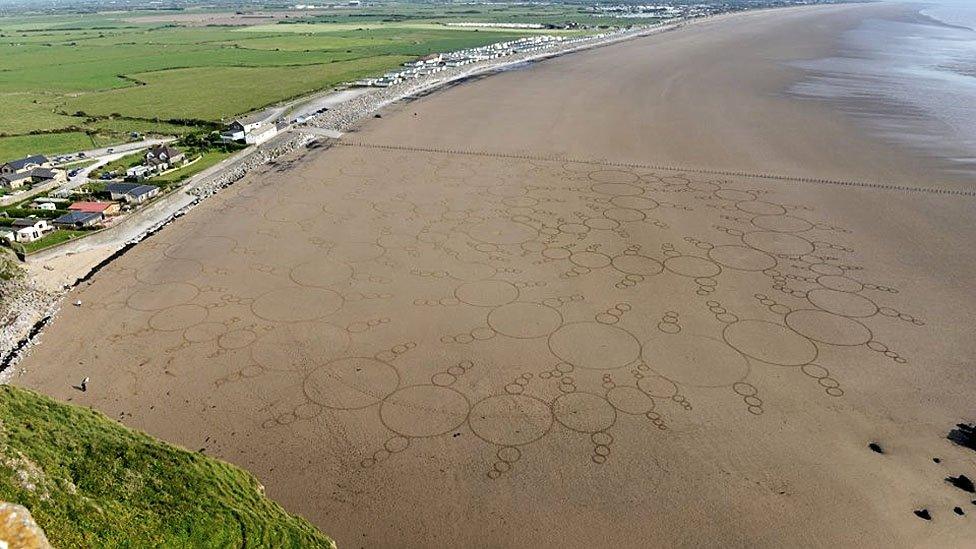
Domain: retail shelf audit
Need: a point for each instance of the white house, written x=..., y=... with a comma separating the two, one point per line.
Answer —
x=238, y=129
x=30, y=229
x=260, y=133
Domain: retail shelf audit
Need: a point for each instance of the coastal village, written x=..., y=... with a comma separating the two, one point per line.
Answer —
x=62, y=202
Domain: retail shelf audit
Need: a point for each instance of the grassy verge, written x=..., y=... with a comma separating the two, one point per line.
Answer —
x=208, y=159
x=90, y=482
x=52, y=239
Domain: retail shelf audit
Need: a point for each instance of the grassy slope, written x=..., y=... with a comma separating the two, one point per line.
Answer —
x=98, y=484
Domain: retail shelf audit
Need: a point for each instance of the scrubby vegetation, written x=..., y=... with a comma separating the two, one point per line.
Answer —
x=91, y=482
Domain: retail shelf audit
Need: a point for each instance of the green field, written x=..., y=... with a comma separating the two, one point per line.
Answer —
x=91, y=482
x=112, y=74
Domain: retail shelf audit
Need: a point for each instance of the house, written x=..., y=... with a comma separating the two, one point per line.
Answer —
x=104, y=208
x=163, y=157
x=25, y=164
x=238, y=129
x=15, y=180
x=43, y=205
x=133, y=193
x=260, y=134
x=43, y=175
x=7, y=236
x=140, y=172
x=30, y=229
x=78, y=220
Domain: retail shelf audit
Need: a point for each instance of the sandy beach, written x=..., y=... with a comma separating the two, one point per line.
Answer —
x=493, y=318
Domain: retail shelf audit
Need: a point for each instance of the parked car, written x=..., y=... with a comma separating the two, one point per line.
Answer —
x=73, y=173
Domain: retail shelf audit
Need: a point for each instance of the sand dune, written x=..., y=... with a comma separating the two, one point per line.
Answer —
x=415, y=345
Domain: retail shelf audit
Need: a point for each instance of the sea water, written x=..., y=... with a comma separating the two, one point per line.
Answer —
x=908, y=81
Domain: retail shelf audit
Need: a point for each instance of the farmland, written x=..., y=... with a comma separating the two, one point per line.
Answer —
x=78, y=81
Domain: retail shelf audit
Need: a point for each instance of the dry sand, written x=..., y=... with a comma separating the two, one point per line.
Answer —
x=497, y=348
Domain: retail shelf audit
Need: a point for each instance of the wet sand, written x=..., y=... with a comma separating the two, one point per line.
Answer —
x=440, y=333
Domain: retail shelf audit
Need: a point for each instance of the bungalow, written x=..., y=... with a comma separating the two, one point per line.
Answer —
x=30, y=229
x=133, y=193
x=15, y=180
x=104, y=208
x=78, y=220
x=140, y=172
x=43, y=206
x=163, y=157
x=25, y=164
x=43, y=175
x=260, y=134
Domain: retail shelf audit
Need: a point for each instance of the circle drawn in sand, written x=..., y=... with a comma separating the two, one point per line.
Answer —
x=594, y=346
x=630, y=400
x=176, y=318
x=760, y=207
x=321, y=272
x=778, y=243
x=624, y=214
x=510, y=420
x=205, y=331
x=741, y=258
x=356, y=252
x=487, y=293
x=637, y=264
x=634, y=202
x=296, y=304
x=161, y=296
x=770, y=343
x=351, y=383
x=424, y=410
x=584, y=412
x=502, y=231
x=236, y=339
x=840, y=283
x=694, y=360
x=692, y=266
x=828, y=328
x=524, y=320
x=735, y=195
x=590, y=260
x=298, y=346
x=842, y=303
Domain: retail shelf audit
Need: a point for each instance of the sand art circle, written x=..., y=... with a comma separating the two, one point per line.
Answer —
x=296, y=304
x=203, y=332
x=634, y=202
x=298, y=346
x=613, y=176
x=735, y=195
x=351, y=383
x=590, y=260
x=840, y=283
x=178, y=317
x=502, y=231
x=778, y=243
x=161, y=296
x=487, y=293
x=694, y=360
x=524, y=320
x=760, y=207
x=827, y=327
x=624, y=214
x=472, y=271
x=634, y=264
x=236, y=339
x=169, y=270
x=617, y=189
x=584, y=412
x=692, y=266
x=741, y=258
x=510, y=420
x=594, y=346
x=657, y=386
x=842, y=303
x=602, y=223
x=321, y=272
x=424, y=410
x=770, y=343
x=630, y=400
x=356, y=252
x=782, y=223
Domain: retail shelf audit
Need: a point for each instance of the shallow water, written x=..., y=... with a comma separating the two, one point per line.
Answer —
x=910, y=82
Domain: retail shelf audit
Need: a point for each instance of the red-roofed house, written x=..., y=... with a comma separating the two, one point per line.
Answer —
x=104, y=208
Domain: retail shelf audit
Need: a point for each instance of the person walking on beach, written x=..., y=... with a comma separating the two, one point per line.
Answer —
x=84, y=385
